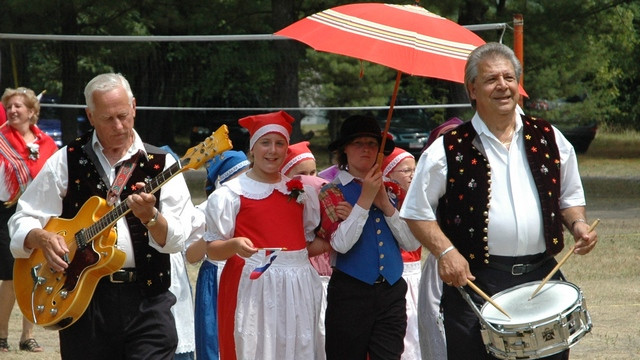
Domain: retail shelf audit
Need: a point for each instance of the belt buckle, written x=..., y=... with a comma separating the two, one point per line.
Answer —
x=518, y=269
x=114, y=281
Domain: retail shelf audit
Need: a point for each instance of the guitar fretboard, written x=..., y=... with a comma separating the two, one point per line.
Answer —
x=86, y=235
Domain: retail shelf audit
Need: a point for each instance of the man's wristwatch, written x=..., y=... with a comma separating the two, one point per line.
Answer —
x=153, y=221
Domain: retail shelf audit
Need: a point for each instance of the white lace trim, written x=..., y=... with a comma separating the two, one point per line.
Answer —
x=268, y=129
x=293, y=162
x=395, y=162
x=245, y=186
x=233, y=170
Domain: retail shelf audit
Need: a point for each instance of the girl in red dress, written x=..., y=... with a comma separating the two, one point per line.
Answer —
x=274, y=315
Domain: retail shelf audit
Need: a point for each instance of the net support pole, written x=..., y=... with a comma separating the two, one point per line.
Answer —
x=518, y=46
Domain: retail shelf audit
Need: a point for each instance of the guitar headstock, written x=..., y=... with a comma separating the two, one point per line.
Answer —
x=217, y=143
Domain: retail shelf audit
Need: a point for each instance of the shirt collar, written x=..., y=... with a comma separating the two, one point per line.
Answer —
x=482, y=129
x=345, y=177
x=137, y=145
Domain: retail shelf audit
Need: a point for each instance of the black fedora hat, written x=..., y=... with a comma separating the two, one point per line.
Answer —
x=358, y=126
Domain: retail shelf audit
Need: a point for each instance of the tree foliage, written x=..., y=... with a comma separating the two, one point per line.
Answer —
x=578, y=50
x=577, y=54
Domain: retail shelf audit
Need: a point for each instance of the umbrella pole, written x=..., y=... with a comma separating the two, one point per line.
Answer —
x=388, y=123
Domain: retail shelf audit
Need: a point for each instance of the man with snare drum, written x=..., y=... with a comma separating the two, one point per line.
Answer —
x=489, y=198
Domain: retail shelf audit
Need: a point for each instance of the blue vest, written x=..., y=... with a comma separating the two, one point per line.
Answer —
x=376, y=252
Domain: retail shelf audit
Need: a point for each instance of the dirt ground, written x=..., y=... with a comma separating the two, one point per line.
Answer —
x=608, y=277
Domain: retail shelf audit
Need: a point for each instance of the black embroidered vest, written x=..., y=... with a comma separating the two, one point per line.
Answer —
x=463, y=212
x=153, y=269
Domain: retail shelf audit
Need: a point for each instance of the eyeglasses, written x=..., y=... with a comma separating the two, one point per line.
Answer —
x=406, y=172
x=365, y=144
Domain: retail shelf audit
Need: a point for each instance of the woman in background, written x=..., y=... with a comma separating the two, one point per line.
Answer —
x=23, y=151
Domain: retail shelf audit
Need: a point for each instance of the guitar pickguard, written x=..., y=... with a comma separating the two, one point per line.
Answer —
x=84, y=259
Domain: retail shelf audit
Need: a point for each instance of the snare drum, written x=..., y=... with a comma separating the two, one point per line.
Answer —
x=553, y=321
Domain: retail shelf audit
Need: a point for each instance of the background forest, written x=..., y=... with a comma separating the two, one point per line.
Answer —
x=580, y=59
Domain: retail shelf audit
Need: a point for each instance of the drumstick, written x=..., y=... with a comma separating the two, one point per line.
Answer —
x=562, y=261
x=486, y=297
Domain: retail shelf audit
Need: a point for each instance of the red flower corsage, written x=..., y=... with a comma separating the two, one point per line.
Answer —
x=294, y=186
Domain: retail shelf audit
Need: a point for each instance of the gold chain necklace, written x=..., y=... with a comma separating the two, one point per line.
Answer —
x=510, y=137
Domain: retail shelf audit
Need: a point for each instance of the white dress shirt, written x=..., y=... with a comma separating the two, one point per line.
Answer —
x=515, y=219
x=42, y=200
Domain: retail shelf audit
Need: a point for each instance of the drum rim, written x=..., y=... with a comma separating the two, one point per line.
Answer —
x=510, y=324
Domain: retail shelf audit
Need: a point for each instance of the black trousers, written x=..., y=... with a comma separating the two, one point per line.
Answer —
x=462, y=326
x=6, y=258
x=121, y=323
x=365, y=319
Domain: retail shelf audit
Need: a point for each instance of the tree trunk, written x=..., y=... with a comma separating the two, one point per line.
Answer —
x=285, y=92
x=71, y=86
x=472, y=12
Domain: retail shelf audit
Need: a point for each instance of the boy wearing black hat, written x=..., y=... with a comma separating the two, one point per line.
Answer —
x=366, y=306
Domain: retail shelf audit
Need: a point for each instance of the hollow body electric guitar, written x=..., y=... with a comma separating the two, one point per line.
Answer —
x=55, y=300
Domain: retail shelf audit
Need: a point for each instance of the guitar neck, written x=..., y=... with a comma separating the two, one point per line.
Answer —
x=122, y=209
x=195, y=157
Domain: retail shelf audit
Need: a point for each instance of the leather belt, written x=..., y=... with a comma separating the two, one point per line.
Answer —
x=123, y=276
x=518, y=265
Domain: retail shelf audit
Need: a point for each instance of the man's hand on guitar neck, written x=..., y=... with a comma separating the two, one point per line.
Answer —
x=53, y=246
x=142, y=205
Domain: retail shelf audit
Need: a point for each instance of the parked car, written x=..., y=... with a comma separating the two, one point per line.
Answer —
x=581, y=136
x=50, y=120
x=53, y=128
x=409, y=132
x=409, y=128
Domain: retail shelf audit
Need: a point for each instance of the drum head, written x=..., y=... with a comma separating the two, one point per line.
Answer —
x=554, y=298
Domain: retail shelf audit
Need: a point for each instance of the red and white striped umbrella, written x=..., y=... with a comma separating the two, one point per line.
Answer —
x=407, y=38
